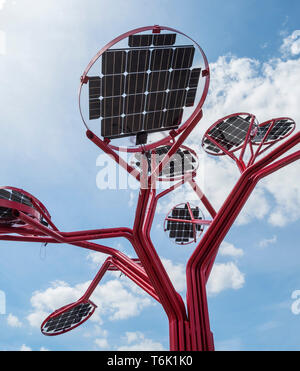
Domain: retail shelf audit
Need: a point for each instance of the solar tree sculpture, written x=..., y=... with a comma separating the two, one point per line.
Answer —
x=148, y=98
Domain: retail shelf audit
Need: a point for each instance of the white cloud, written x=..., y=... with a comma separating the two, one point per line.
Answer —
x=228, y=249
x=176, y=273
x=119, y=302
x=97, y=258
x=13, y=321
x=96, y=332
x=36, y=318
x=267, y=241
x=25, y=348
x=291, y=44
x=284, y=187
x=131, y=336
x=102, y=343
x=229, y=344
x=136, y=341
x=2, y=2
x=43, y=349
x=225, y=276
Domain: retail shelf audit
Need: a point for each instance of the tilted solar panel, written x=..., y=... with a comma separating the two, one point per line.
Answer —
x=229, y=134
x=6, y=214
x=182, y=162
x=56, y=324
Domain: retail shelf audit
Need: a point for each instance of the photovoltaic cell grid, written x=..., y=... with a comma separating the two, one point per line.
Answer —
x=144, y=88
x=68, y=319
x=182, y=162
x=180, y=231
x=11, y=195
x=280, y=129
x=229, y=133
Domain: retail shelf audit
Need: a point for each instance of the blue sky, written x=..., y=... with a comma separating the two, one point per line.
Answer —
x=254, y=52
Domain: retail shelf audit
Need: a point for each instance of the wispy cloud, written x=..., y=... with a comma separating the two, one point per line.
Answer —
x=268, y=241
x=102, y=343
x=291, y=44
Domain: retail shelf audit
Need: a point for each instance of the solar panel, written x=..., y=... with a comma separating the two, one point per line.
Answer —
x=164, y=39
x=183, y=232
x=158, y=81
x=161, y=59
x=143, y=88
x=190, y=97
x=137, y=60
x=112, y=85
x=69, y=319
x=6, y=215
x=179, y=79
x=150, y=39
x=182, y=162
x=281, y=128
x=229, y=133
x=137, y=82
x=113, y=62
x=12, y=195
x=140, y=40
x=183, y=57
x=194, y=78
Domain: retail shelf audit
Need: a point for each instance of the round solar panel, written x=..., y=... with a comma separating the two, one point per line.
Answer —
x=182, y=224
x=12, y=199
x=143, y=85
x=274, y=130
x=229, y=133
x=68, y=318
x=183, y=162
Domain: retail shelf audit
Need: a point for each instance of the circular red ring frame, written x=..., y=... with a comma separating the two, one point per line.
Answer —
x=200, y=232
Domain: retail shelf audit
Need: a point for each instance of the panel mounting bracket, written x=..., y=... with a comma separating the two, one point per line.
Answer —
x=156, y=29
